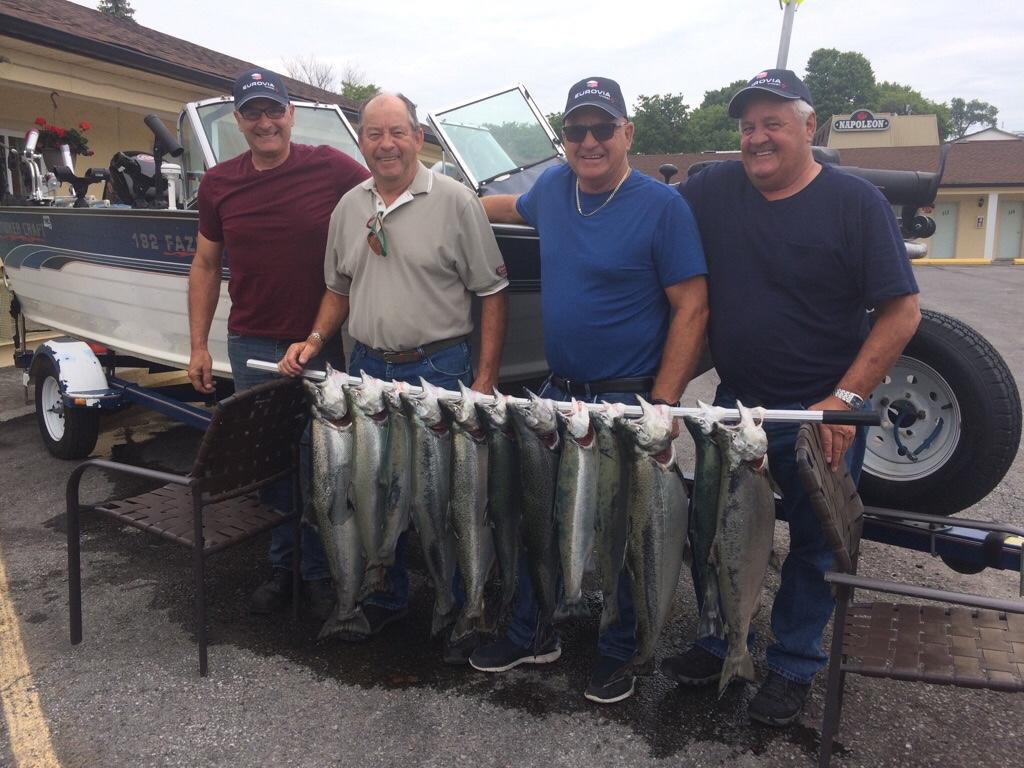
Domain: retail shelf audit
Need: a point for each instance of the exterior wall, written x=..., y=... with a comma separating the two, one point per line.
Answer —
x=903, y=131
x=974, y=241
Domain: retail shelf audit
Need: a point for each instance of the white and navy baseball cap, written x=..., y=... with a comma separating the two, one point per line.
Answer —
x=600, y=92
x=779, y=82
x=259, y=84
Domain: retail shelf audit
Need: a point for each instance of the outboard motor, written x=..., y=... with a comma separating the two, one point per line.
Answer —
x=133, y=179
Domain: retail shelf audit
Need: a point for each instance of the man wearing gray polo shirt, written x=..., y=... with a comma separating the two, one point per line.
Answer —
x=406, y=251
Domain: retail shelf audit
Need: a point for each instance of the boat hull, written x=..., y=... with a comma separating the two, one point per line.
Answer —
x=119, y=277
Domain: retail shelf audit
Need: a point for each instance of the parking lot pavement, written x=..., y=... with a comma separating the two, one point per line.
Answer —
x=129, y=695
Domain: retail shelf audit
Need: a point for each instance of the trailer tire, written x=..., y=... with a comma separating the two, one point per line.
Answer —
x=960, y=412
x=68, y=433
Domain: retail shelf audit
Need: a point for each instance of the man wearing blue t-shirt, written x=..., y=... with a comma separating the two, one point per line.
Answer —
x=624, y=304
x=797, y=253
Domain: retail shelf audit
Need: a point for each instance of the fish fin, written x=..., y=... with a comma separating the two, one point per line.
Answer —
x=734, y=666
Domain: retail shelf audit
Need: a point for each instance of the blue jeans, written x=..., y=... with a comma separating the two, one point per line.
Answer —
x=619, y=640
x=279, y=495
x=804, y=602
x=442, y=369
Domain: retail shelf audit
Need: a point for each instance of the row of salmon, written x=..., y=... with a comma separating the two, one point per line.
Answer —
x=493, y=482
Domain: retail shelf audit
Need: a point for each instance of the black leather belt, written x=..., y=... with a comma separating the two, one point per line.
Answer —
x=397, y=357
x=592, y=388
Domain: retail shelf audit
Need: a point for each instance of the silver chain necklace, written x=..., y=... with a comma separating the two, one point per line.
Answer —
x=579, y=207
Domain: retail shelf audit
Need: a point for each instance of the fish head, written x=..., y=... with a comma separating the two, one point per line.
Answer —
x=495, y=411
x=653, y=430
x=328, y=396
x=393, y=396
x=463, y=410
x=538, y=414
x=609, y=415
x=745, y=441
x=576, y=421
x=368, y=396
x=426, y=404
x=707, y=417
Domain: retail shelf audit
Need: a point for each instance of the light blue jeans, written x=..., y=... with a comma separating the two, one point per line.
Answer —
x=804, y=602
x=279, y=495
x=619, y=640
x=442, y=369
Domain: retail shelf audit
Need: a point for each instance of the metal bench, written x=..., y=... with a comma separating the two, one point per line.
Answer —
x=252, y=442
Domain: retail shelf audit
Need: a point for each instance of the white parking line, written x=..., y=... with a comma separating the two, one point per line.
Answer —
x=30, y=735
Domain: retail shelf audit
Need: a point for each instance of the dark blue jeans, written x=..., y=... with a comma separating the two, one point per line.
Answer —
x=442, y=369
x=619, y=640
x=804, y=603
x=279, y=495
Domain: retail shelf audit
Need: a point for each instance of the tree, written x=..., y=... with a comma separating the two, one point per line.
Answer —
x=964, y=114
x=119, y=9
x=355, y=86
x=555, y=121
x=710, y=128
x=722, y=96
x=309, y=69
x=903, y=100
x=839, y=82
x=660, y=124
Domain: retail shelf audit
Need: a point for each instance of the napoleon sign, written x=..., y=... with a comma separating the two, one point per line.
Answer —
x=862, y=120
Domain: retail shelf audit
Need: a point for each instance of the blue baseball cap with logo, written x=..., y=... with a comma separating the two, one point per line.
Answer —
x=598, y=92
x=259, y=84
x=779, y=82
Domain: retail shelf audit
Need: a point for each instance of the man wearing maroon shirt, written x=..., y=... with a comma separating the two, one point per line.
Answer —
x=269, y=210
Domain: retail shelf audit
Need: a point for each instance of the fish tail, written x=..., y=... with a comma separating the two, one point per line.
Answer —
x=376, y=580
x=610, y=612
x=351, y=627
x=710, y=624
x=567, y=610
x=735, y=665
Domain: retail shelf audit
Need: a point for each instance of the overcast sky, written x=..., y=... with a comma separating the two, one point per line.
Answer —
x=442, y=52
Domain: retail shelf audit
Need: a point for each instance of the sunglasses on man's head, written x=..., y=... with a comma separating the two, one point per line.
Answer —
x=376, y=238
x=601, y=131
x=274, y=112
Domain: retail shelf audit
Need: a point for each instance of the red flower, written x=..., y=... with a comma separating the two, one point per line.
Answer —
x=41, y=121
x=84, y=126
x=60, y=132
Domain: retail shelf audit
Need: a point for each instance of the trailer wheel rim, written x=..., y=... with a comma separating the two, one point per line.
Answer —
x=52, y=406
x=920, y=426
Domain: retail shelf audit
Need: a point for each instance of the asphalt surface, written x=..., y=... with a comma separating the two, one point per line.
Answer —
x=130, y=695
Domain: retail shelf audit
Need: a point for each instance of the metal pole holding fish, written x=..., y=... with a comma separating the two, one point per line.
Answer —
x=854, y=418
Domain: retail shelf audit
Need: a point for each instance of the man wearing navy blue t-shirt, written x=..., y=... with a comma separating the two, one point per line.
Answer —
x=797, y=254
x=624, y=304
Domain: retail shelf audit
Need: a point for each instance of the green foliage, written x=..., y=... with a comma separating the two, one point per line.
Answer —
x=722, y=96
x=119, y=9
x=903, y=100
x=660, y=124
x=555, y=121
x=525, y=143
x=839, y=82
x=358, y=92
x=965, y=114
x=710, y=128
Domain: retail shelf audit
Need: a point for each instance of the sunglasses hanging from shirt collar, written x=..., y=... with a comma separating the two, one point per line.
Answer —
x=376, y=238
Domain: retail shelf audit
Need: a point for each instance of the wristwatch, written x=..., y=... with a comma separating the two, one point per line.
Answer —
x=659, y=401
x=852, y=399
x=318, y=336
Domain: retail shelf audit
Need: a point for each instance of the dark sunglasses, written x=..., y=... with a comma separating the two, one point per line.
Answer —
x=252, y=114
x=376, y=238
x=600, y=131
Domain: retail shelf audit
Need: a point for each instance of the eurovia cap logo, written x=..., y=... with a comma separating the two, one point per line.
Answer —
x=760, y=75
x=257, y=76
x=592, y=83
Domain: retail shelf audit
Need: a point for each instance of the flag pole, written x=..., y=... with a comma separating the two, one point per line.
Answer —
x=787, y=31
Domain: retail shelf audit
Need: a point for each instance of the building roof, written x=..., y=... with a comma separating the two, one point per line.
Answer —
x=970, y=164
x=990, y=134
x=76, y=29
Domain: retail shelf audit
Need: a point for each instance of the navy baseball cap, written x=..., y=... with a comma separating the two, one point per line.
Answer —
x=598, y=92
x=259, y=84
x=779, y=82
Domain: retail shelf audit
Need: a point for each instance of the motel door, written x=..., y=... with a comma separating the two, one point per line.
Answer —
x=943, y=243
x=1011, y=213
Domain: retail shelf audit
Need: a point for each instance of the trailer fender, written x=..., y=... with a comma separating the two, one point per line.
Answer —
x=79, y=373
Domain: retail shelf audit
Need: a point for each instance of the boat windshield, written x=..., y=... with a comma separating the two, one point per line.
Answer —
x=313, y=125
x=496, y=135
